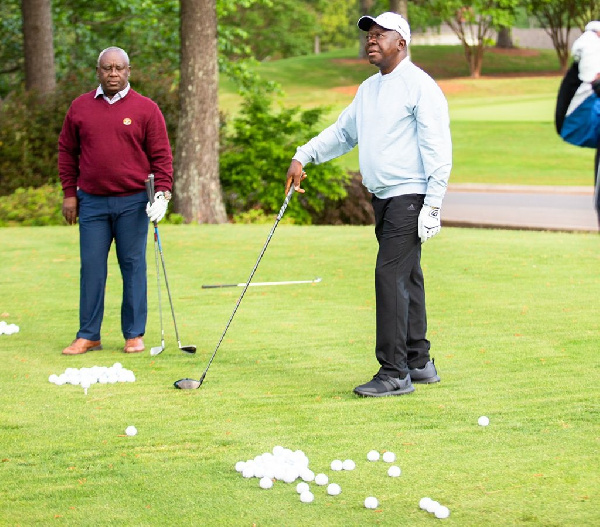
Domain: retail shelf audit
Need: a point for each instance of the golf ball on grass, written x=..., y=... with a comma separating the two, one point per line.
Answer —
x=336, y=465
x=348, y=464
x=389, y=457
x=442, y=512
x=371, y=502
x=307, y=496
x=321, y=479
x=302, y=487
x=394, y=471
x=333, y=489
x=307, y=475
x=131, y=430
x=265, y=483
x=373, y=455
x=424, y=502
x=483, y=421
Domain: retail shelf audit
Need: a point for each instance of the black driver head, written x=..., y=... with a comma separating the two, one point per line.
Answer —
x=188, y=384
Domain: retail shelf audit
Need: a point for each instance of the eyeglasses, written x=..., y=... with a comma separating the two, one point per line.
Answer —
x=377, y=36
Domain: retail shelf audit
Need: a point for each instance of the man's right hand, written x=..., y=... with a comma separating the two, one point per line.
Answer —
x=295, y=175
x=69, y=210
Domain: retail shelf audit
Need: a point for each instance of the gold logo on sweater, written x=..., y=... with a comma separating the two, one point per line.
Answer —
x=127, y=121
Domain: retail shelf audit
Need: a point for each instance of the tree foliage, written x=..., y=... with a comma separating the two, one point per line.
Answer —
x=473, y=22
x=559, y=17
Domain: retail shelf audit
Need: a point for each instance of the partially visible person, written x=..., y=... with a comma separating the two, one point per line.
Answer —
x=111, y=140
x=577, y=115
x=399, y=120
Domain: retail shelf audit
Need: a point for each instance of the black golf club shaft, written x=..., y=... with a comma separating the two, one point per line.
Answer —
x=191, y=383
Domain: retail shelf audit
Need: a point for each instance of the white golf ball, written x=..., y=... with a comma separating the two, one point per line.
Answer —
x=265, y=483
x=248, y=471
x=333, y=489
x=239, y=466
x=336, y=464
x=373, y=455
x=442, y=512
x=423, y=502
x=371, y=502
x=302, y=487
x=321, y=479
x=394, y=471
x=307, y=496
x=389, y=457
x=307, y=475
x=483, y=421
x=131, y=430
x=348, y=464
x=432, y=506
x=53, y=378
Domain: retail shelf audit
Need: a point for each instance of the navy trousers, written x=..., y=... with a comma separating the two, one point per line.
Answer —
x=401, y=318
x=103, y=219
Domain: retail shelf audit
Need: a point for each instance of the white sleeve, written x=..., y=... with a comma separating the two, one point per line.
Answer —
x=334, y=141
x=435, y=142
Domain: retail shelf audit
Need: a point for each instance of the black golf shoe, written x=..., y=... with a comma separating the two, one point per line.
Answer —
x=383, y=385
x=425, y=375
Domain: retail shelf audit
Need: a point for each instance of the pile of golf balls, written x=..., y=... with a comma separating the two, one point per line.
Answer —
x=85, y=377
x=281, y=464
x=8, y=329
x=286, y=465
x=435, y=508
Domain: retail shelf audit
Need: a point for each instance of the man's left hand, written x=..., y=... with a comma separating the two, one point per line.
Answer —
x=157, y=210
x=429, y=222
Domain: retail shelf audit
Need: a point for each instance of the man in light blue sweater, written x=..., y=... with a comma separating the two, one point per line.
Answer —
x=399, y=119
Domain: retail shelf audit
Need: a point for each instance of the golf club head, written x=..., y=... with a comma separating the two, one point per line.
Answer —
x=188, y=349
x=156, y=350
x=187, y=384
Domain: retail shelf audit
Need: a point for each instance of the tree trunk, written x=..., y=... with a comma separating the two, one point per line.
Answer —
x=399, y=6
x=197, y=190
x=365, y=9
x=504, y=38
x=38, y=46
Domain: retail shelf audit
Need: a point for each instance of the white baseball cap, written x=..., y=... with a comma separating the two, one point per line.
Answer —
x=594, y=25
x=388, y=20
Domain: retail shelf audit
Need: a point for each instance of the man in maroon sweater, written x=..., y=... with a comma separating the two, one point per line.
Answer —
x=111, y=139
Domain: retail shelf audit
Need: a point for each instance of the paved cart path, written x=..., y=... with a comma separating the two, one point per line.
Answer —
x=520, y=207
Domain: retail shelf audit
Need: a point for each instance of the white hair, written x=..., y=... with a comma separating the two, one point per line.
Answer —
x=112, y=48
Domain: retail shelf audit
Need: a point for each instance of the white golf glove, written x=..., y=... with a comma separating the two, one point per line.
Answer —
x=157, y=210
x=429, y=222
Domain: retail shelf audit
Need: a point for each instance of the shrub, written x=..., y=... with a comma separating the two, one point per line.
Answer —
x=256, y=155
x=33, y=206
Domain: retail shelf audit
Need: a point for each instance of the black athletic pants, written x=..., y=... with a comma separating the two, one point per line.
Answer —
x=399, y=287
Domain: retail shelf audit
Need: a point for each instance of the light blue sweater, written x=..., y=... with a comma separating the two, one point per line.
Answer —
x=400, y=122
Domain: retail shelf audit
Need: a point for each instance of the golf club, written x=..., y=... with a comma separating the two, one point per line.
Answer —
x=243, y=284
x=156, y=350
x=150, y=190
x=193, y=384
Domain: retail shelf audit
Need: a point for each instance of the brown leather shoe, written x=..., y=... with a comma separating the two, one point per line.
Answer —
x=79, y=346
x=134, y=345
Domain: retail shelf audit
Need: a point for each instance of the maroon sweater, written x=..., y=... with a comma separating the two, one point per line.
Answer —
x=109, y=149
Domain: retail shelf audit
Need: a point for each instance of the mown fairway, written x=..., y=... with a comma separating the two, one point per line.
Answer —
x=514, y=332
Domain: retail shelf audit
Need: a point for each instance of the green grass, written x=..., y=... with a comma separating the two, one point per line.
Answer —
x=502, y=124
x=514, y=332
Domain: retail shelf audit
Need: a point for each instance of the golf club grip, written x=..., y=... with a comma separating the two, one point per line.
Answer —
x=150, y=188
